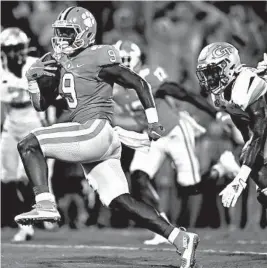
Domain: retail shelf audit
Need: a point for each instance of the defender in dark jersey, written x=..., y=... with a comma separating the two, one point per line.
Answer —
x=241, y=92
x=87, y=76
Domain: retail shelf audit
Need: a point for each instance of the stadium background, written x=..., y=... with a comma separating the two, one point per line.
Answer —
x=171, y=35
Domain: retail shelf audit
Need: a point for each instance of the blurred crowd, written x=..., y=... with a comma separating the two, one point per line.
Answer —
x=170, y=35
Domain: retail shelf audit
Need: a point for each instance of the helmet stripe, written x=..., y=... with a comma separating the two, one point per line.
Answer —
x=65, y=13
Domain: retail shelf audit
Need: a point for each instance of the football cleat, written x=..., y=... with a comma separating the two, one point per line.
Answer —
x=43, y=211
x=186, y=244
x=156, y=240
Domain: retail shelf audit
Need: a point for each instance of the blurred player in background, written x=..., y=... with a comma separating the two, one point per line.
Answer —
x=20, y=118
x=238, y=90
x=87, y=75
x=180, y=129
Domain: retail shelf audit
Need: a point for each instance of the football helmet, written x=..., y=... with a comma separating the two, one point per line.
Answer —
x=14, y=45
x=74, y=28
x=130, y=54
x=217, y=66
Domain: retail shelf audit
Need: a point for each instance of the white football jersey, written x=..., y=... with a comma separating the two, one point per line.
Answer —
x=13, y=88
x=247, y=88
x=14, y=91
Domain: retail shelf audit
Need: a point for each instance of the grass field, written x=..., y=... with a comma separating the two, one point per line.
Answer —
x=123, y=248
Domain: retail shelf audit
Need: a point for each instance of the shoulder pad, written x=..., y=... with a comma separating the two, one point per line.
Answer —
x=248, y=88
x=106, y=55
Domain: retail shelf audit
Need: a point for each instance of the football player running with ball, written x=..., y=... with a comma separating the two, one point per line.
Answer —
x=238, y=90
x=87, y=75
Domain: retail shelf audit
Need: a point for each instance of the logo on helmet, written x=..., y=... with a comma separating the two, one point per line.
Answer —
x=220, y=51
x=89, y=20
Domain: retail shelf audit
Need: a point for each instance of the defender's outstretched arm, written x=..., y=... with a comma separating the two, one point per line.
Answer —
x=178, y=92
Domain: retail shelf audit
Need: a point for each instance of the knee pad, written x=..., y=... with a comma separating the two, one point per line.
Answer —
x=29, y=142
x=262, y=197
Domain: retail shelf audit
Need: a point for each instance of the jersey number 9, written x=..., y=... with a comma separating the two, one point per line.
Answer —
x=68, y=88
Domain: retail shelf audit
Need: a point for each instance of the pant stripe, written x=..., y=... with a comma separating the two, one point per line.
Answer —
x=74, y=136
x=63, y=127
x=187, y=144
x=82, y=129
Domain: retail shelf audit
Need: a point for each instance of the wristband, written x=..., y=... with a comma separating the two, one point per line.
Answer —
x=152, y=115
x=33, y=87
x=244, y=172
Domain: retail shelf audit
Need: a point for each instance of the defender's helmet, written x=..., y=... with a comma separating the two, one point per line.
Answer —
x=74, y=28
x=130, y=54
x=217, y=66
x=14, y=45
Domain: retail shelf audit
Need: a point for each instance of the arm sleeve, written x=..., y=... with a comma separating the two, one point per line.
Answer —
x=176, y=91
x=126, y=78
x=242, y=127
x=259, y=132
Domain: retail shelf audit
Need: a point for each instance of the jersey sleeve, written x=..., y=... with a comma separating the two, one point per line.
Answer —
x=107, y=55
x=248, y=88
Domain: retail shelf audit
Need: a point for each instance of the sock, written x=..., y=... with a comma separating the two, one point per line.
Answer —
x=45, y=197
x=173, y=235
x=40, y=189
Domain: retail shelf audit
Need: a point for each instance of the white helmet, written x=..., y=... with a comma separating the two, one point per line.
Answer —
x=14, y=44
x=217, y=66
x=130, y=54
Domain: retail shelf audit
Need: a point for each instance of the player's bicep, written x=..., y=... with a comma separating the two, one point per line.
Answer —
x=121, y=75
x=126, y=78
x=258, y=116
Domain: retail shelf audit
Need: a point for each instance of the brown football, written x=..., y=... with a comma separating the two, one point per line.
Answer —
x=49, y=85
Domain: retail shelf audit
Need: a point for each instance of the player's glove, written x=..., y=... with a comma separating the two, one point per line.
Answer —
x=41, y=68
x=155, y=131
x=234, y=189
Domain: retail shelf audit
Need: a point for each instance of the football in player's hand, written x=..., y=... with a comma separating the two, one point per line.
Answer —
x=48, y=85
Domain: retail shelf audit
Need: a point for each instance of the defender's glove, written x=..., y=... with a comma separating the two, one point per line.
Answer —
x=155, y=131
x=234, y=189
x=231, y=193
x=41, y=68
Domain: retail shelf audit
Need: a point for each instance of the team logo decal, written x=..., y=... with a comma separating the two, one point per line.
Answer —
x=220, y=51
x=88, y=18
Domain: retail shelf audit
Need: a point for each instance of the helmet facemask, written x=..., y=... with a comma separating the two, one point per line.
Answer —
x=68, y=38
x=16, y=54
x=213, y=78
